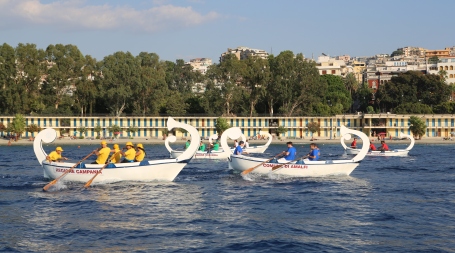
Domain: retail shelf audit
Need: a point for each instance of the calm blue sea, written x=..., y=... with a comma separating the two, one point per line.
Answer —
x=388, y=204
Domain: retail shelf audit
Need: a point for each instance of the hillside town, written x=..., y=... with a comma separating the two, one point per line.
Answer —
x=374, y=70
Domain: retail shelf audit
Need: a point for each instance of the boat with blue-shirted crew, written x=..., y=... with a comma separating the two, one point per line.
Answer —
x=161, y=170
x=301, y=167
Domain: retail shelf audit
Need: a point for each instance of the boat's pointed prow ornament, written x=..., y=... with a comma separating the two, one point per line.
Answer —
x=402, y=135
x=195, y=138
x=232, y=133
x=346, y=135
x=47, y=135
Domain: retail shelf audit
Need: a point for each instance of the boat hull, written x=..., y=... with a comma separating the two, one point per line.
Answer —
x=388, y=153
x=202, y=154
x=352, y=151
x=308, y=169
x=160, y=170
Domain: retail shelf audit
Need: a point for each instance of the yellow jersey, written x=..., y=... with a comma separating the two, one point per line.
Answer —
x=104, y=154
x=117, y=156
x=130, y=154
x=54, y=156
x=140, y=156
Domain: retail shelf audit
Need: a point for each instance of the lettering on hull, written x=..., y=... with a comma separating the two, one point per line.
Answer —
x=78, y=171
x=292, y=166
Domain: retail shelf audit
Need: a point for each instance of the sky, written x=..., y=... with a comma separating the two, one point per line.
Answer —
x=187, y=29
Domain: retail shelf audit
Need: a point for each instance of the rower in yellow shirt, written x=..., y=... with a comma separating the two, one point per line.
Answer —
x=102, y=153
x=117, y=156
x=140, y=153
x=56, y=155
x=129, y=154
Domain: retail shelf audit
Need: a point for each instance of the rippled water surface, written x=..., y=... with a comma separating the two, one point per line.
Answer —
x=388, y=204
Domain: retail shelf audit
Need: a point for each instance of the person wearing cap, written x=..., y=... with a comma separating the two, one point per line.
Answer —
x=117, y=156
x=239, y=149
x=102, y=153
x=56, y=155
x=140, y=153
x=129, y=154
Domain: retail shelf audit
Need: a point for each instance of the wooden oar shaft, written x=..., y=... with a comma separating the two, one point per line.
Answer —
x=251, y=169
x=46, y=187
x=89, y=182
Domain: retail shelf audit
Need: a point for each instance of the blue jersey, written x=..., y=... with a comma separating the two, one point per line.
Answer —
x=238, y=150
x=292, y=151
x=315, y=153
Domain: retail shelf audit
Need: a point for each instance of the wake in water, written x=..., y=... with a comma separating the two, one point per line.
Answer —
x=60, y=185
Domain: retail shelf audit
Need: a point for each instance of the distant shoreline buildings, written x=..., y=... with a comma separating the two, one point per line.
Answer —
x=374, y=70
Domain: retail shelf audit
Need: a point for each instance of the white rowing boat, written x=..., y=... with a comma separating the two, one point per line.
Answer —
x=304, y=168
x=395, y=152
x=223, y=153
x=161, y=170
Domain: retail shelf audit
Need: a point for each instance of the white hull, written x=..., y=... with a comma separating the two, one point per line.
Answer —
x=401, y=152
x=256, y=149
x=160, y=170
x=308, y=169
x=352, y=151
x=202, y=154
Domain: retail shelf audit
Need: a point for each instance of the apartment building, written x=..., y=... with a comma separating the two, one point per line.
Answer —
x=243, y=53
x=331, y=66
x=200, y=64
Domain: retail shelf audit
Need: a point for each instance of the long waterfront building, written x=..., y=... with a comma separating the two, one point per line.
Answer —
x=438, y=125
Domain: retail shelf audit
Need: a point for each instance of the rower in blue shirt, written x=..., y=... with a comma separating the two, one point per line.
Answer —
x=314, y=153
x=290, y=153
x=239, y=149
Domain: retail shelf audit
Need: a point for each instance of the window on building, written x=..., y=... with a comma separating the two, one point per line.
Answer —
x=333, y=72
x=324, y=72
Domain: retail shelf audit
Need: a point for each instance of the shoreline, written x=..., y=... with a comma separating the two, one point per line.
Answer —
x=154, y=141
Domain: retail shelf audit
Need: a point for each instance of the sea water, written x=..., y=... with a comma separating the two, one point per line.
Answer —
x=388, y=204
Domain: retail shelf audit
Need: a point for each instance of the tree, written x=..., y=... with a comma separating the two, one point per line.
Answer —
x=132, y=130
x=82, y=130
x=120, y=72
x=97, y=129
x=281, y=130
x=339, y=96
x=65, y=62
x=255, y=80
x=86, y=86
x=313, y=127
x=227, y=75
x=413, y=87
x=2, y=128
x=417, y=126
x=397, y=52
x=17, y=126
x=151, y=91
x=33, y=128
x=221, y=125
x=433, y=59
x=115, y=129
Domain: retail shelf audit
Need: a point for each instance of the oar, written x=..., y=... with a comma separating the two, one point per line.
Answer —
x=46, y=187
x=281, y=165
x=87, y=185
x=251, y=169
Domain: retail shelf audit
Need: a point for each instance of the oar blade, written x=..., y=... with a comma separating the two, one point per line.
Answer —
x=248, y=170
x=46, y=187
